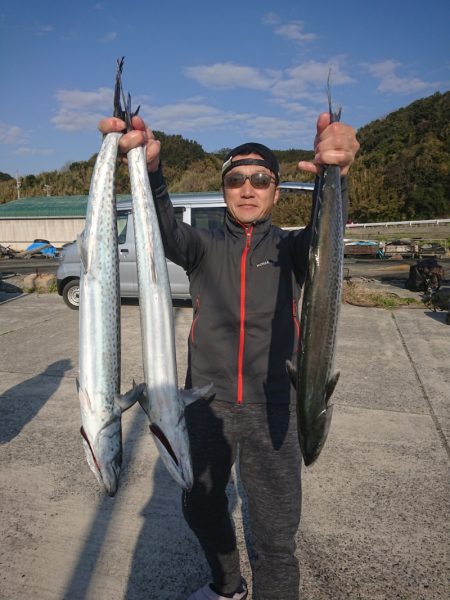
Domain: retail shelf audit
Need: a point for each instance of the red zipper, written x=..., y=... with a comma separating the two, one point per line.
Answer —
x=240, y=382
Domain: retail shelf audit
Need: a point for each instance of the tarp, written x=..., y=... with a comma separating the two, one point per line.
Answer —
x=49, y=250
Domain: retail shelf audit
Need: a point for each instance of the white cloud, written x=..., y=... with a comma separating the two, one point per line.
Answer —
x=297, y=132
x=188, y=117
x=307, y=111
x=305, y=80
x=270, y=18
x=81, y=110
x=11, y=134
x=102, y=97
x=72, y=120
x=184, y=116
x=390, y=82
x=229, y=75
x=300, y=82
x=44, y=29
x=109, y=37
x=294, y=31
x=18, y=137
x=27, y=151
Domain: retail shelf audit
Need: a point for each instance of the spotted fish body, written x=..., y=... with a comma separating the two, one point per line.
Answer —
x=314, y=377
x=99, y=326
x=163, y=402
x=99, y=320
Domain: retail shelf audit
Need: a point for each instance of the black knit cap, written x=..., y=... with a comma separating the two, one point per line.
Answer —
x=268, y=158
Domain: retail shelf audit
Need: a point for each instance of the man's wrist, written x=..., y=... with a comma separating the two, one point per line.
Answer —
x=156, y=179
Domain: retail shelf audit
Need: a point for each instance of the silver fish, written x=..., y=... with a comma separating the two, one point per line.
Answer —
x=163, y=402
x=99, y=325
x=314, y=378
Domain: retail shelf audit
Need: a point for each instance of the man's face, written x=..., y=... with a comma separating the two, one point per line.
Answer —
x=248, y=204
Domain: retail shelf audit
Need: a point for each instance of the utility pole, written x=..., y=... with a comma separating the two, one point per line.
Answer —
x=18, y=184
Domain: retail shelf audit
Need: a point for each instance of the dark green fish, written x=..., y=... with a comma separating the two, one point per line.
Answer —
x=314, y=378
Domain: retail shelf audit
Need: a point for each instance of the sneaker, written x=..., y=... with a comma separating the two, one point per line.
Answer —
x=206, y=593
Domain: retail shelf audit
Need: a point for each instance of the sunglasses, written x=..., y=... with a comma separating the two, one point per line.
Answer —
x=260, y=181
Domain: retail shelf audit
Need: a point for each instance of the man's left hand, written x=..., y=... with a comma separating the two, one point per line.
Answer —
x=334, y=144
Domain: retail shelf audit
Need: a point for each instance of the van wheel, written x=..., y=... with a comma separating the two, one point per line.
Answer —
x=71, y=294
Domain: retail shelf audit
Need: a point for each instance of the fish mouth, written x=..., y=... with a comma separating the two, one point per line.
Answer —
x=177, y=465
x=86, y=439
x=108, y=476
x=159, y=434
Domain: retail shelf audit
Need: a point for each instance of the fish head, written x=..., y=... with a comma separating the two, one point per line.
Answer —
x=173, y=447
x=165, y=411
x=104, y=454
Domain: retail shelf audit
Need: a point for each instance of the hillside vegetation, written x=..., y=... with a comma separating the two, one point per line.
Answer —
x=402, y=170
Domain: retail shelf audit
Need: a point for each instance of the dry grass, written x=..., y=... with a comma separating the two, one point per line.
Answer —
x=360, y=295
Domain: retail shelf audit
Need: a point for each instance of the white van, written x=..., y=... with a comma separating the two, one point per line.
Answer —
x=201, y=210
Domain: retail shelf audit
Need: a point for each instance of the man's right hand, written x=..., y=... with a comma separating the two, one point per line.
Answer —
x=141, y=135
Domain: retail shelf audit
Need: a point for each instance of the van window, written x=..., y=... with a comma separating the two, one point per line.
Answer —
x=211, y=218
x=122, y=221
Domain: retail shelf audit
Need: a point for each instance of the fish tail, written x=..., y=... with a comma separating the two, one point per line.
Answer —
x=334, y=115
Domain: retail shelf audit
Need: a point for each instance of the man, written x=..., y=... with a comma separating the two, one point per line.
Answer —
x=244, y=283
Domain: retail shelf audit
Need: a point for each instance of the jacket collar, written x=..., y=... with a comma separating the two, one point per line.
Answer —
x=236, y=228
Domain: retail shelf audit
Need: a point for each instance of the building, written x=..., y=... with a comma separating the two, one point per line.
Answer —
x=58, y=219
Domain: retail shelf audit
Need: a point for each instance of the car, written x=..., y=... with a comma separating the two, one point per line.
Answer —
x=201, y=210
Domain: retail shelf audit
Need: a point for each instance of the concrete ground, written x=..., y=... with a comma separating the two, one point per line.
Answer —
x=375, y=521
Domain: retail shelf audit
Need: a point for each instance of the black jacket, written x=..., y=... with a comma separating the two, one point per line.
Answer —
x=245, y=285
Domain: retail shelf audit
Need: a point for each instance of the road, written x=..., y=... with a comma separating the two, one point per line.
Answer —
x=369, y=268
x=375, y=518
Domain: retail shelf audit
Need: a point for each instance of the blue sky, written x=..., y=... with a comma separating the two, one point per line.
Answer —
x=220, y=73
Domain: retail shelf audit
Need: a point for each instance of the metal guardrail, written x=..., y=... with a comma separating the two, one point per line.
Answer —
x=399, y=223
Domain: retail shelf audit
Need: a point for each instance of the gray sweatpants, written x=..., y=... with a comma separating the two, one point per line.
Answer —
x=270, y=464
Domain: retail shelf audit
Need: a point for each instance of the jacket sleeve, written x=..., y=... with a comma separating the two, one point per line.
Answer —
x=182, y=243
x=301, y=239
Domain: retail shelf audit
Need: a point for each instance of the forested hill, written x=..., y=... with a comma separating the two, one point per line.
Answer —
x=402, y=170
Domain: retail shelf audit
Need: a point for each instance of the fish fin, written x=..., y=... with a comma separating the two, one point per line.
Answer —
x=82, y=251
x=292, y=372
x=187, y=397
x=126, y=401
x=331, y=385
x=144, y=400
x=83, y=396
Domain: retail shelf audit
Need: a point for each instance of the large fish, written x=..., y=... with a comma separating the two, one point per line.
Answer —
x=163, y=402
x=99, y=322
x=314, y=377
